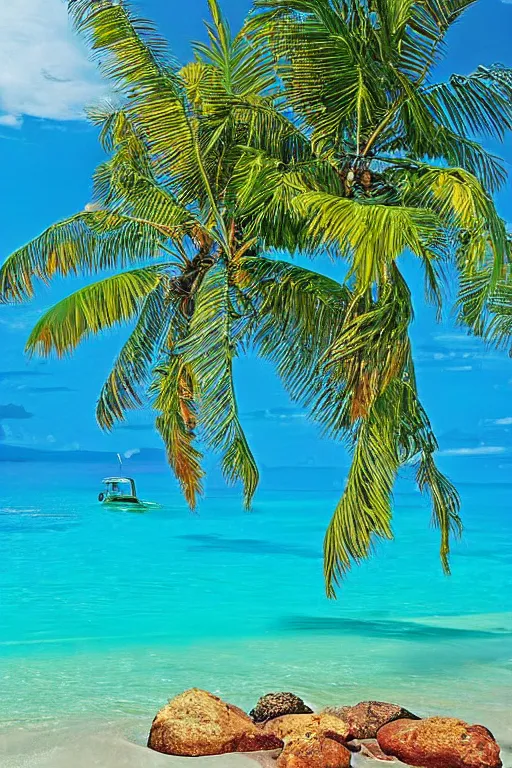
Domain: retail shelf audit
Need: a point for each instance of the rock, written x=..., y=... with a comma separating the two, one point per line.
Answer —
x=367, y=717
x=311, y=750
x=440, y=742
x=196, y=723
x=278, y=704
x=294, y=726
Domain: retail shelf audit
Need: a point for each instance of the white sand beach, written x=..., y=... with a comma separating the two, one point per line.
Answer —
x=95, y=746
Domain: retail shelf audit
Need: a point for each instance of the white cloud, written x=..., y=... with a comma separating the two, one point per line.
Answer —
x=443, y=355
x=131, y=452
x=482, y=450
x=11, y=121
x=507, y=421
x=44, y=70
x=455, y=338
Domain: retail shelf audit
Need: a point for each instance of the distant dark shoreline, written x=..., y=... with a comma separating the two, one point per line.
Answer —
x=17, y=454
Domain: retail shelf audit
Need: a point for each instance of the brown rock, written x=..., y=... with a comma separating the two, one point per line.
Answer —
x=278, y=704
x=440, y=742
x=365, y=718
x=293, y=726
x=311, y=750
x=196, y=723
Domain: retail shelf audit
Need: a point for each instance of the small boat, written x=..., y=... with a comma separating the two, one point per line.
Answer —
x=120, y=493
x=119, y=490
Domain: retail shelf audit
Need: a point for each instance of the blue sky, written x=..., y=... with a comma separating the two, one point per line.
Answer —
x=47, y=156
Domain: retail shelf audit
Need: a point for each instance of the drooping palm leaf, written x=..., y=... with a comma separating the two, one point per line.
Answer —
x=209, y=351
x=88, y=242
x=298, y=314
x=364, y=511
x=173, y=395
x=124, y=387
x=371, y=235
x=395, y=431
x=132, y=54
x=92, y=309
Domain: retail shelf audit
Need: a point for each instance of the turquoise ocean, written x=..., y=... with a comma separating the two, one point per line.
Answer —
x=105, y=615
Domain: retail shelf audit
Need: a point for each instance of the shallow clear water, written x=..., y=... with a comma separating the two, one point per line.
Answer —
x=106, y=614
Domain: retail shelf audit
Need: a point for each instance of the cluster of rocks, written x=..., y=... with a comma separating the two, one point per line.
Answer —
x=197, y=723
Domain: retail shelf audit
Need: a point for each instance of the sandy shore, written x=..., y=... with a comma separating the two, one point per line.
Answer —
x=69, y=747
x=96, y=745
x=101, y=752
x=66, y=748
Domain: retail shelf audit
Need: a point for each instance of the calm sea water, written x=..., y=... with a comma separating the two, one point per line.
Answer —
x=104, y=615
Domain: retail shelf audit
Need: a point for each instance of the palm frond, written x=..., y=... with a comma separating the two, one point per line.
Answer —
x=372, y=348
x=92, y=309
x=124, y=387
x=135, y=58
x=297, y=314
x=479, y=104
x=395, y=432
x=265, y=190
x=486, y=306
x=173, y=393
x=86, y=243
x=372, y=234
x=419, y=445
x=463, y=204
x=325, y=57
x=209, y=351
x=245, y=68
x=499, y=327
x=445, y=503
x=364, y=512
x=121, y=185
x=458, y=151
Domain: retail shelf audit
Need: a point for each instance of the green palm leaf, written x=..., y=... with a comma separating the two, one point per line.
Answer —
x=209, y=351
x=98, y=306
x=485, y=305
x=463, y=204
x=136, y=59
x=364, y=511
x=445, y=504
x=173, y=395
x=396, y=430
x=297, y=315
x=87, y=243
x=480, y=104
x=372, y=235
x=124, y=388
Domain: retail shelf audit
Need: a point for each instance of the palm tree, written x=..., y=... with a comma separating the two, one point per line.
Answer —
x=170, y=211
x=165, y=214
x=412, y=177
x=315, y=128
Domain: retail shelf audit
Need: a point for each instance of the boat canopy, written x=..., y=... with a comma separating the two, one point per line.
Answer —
x=112, y=482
